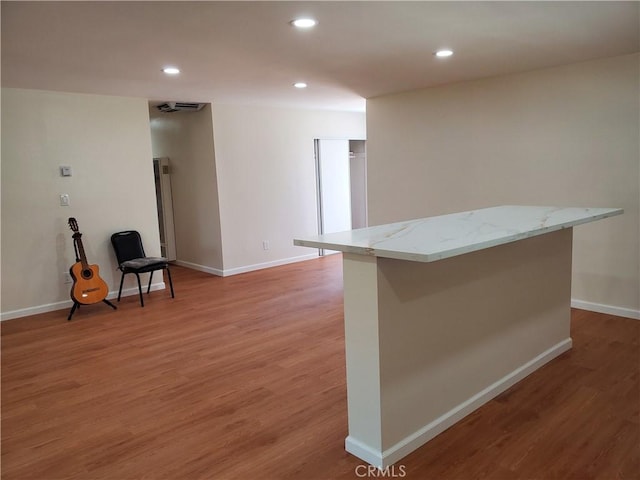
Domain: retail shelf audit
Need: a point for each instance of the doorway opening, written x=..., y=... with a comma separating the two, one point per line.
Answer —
x=164, y=202
x=341, y=185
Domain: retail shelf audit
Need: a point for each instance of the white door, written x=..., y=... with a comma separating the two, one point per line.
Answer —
x=164, y=201
x=334, y=190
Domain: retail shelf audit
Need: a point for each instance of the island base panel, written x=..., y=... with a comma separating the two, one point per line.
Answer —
x=428, y=343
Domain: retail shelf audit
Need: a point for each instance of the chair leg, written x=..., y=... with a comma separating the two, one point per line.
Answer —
x=170, y=282
x=121, y=282
x=140, y=290
x=150, y=277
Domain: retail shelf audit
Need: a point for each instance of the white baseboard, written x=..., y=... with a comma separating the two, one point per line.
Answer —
x=608, y=309
x=248, y=268
x=274, y=263
x=423, y=435
x=50, y=307
x=66, y=304
x=200, y=268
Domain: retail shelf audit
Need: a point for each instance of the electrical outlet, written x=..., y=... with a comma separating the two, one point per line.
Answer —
x=67, y=277
x=265, y=244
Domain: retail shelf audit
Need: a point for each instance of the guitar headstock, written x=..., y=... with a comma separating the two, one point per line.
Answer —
x=73, y=225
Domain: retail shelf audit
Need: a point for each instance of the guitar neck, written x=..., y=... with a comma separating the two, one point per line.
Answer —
x=83, y=257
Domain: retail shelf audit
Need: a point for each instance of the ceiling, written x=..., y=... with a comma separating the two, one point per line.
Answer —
x=247, y=52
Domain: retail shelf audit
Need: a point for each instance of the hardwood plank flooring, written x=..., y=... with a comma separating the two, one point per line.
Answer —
x=243, y=377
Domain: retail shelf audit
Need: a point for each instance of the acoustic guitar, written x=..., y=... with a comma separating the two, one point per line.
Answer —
x=87, y=287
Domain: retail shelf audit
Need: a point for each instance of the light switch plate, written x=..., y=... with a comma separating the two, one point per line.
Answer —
x=64, y=200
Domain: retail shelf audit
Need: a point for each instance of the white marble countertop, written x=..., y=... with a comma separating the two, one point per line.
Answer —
x=434, y=238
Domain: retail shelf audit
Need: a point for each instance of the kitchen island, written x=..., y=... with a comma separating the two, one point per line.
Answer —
x=444, y=313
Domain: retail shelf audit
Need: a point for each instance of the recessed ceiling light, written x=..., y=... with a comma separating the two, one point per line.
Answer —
x=171, y=70
x=300, y=85
x=444, y=53
x=304, y=22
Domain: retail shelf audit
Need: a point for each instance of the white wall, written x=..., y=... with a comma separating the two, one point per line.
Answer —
x=564, y=136
x=107, y=142
x=187, y=139
x=266, y=178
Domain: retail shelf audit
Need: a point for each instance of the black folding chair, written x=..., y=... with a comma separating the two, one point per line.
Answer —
x=132, y=259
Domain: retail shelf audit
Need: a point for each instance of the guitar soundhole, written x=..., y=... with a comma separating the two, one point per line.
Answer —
x=87, y=274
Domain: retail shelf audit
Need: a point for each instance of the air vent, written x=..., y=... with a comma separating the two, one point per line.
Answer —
x=170, y=107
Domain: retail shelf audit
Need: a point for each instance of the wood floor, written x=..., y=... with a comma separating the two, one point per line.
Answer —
x=243, y=378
